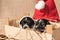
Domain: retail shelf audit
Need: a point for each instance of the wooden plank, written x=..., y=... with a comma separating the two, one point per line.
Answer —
x=49, y=29
x=7, y=21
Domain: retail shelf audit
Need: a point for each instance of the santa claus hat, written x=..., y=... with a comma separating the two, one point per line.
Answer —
x=40, y=5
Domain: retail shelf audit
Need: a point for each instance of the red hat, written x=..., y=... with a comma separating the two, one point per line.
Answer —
x=49, y=12
x=40, y=5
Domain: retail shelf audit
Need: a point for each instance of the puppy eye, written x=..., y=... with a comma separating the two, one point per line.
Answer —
x=42, y=23
x=24, y=22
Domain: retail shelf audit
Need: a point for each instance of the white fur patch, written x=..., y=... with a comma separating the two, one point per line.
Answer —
x=40, y=5
x=26, y=26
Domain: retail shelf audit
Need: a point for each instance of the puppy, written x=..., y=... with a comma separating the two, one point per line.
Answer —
x=41, y=24
x=27, y=22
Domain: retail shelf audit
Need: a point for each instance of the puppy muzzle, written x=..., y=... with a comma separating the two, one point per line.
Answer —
x=25, y=26
x=40, y=29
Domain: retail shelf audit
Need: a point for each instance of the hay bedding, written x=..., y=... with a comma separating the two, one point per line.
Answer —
x=14, y=33
x=4, y=37
x=27, y=37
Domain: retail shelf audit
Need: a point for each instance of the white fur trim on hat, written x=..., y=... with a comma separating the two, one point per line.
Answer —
x=40, y=5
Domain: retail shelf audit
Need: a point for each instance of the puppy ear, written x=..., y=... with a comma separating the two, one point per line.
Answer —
x=48, y=23
x=20, y=22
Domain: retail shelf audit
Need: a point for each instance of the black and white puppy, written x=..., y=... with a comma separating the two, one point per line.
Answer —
x=27, y=22
x=41, y=24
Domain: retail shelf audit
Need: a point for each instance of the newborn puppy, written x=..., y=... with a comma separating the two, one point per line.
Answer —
x=27, y=22
x=41, y=24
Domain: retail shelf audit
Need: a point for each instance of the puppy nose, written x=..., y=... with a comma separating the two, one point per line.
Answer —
x=25, y=27
x=42, y=31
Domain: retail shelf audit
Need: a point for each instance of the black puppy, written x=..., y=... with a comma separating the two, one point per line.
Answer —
x=41, y=24
x=27, y=22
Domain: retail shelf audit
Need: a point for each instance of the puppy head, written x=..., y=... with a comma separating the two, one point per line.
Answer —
x=27, y=22
x=41, y=24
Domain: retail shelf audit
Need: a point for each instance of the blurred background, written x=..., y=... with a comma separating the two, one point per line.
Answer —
x=19, y=8
x=15, y=8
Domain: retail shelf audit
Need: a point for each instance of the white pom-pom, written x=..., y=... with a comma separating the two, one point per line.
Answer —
x=40, y=5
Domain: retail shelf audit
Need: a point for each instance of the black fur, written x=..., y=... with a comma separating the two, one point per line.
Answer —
x=41, y=24
x=28, y=22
